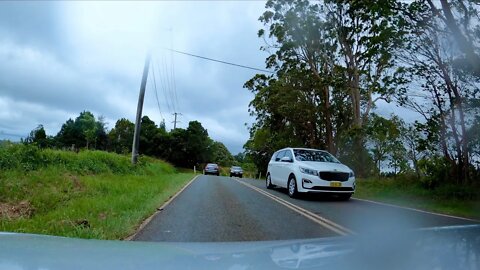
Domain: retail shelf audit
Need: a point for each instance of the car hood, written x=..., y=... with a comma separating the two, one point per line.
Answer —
x=436, y=248
x=325, y=166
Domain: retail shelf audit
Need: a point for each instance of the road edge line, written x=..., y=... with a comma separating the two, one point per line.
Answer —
x=417, y=210
x=158, y=210
x=337, y=228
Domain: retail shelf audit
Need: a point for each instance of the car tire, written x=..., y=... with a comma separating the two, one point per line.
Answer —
x=231, y=175
x=268, y=182
x=241, y=176
x=292, y=187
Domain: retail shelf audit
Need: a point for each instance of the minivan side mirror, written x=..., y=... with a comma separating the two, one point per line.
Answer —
x=286, y=159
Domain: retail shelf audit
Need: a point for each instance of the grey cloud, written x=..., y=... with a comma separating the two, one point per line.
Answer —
x=34, y=76
x=50, y=72
x=33, y=23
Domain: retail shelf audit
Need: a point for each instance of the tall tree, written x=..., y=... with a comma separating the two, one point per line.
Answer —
x=83, y=132
x=38, y=136
x=121, y=136
x=198, y=144
x=445, y=88
x=87, y=125
x=332, y=61
x=384, y=138
x=148, y=133
x=69, y=135
x=221, y=155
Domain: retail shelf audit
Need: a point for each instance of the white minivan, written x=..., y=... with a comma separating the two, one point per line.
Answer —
x=310, y=170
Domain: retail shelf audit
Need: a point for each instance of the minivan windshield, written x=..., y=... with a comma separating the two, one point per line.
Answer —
x=314, y=155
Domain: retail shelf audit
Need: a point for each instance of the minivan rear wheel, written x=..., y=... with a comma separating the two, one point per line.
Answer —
x=292, y=187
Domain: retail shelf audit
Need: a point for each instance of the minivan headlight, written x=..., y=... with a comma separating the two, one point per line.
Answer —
x=308, y=171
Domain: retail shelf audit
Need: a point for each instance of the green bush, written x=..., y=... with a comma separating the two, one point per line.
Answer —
x=19, y=156
x=30, y=157
x=435, y=171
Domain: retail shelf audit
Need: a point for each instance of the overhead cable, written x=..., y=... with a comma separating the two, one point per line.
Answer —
x=220, y=61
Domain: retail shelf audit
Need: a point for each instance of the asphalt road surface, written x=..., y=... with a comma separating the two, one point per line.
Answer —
x=222, y=209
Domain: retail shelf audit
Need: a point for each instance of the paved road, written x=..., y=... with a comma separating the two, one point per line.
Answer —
x=229, y=209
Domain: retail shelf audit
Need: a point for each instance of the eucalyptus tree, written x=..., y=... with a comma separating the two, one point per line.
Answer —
x=337, y=55
x=443, y=83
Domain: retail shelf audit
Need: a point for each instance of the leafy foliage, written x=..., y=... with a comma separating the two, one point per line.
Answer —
x=182, y=147
x=83, y=132
x=335, y=60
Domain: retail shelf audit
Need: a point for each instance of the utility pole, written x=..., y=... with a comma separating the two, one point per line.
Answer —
x=175, y=121
x=138, y=119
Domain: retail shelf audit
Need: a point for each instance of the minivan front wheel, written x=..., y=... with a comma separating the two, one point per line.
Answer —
x=269, y=182
x=292, y=187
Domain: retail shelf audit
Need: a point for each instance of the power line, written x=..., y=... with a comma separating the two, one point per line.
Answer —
x=173, y=69
x=220, y=61
x=156, y=93
x=170, y=91
x=167, y=83
x=163, y=84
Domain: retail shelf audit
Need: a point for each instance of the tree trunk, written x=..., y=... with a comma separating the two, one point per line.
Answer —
x=456, y=104
x=355, y=92
x=328, y=120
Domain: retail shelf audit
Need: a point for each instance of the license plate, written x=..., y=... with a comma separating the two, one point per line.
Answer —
x=335, y=184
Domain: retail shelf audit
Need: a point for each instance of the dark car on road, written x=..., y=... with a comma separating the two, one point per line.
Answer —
x=236, y=171
x=212, y=168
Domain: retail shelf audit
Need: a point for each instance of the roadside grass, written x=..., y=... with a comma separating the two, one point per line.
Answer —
x=448, y=200
x=91, y=194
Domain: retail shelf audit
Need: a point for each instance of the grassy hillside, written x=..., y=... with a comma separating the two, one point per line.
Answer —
x=90, y=194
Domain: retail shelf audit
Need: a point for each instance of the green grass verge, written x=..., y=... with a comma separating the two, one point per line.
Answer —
x=91, y=194
x=444, y=200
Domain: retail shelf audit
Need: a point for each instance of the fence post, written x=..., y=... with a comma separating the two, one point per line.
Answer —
x=194, y=170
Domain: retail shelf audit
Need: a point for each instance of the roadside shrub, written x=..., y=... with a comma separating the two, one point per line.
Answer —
x=30, y=157
x=19, y=156
x=435, y=171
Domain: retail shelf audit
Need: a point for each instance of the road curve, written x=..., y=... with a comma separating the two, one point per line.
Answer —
x=222, y=209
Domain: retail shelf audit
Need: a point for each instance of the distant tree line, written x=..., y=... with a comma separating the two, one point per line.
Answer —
x=181, y=147
x=334, y=60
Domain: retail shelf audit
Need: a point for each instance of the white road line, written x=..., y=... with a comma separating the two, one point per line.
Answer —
x=310, y=215
x=417, y=210
x=146, y=221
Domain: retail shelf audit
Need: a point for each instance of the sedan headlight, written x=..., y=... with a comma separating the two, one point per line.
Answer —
x=308, y=171
x=351, y=175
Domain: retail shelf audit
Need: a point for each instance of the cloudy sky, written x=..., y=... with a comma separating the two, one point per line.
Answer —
x=60, y=58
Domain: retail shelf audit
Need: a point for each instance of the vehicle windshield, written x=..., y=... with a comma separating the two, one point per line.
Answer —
x=314, y=155
x=315, y=110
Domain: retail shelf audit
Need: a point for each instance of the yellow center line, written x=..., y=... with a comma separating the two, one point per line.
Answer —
x=337, y=228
